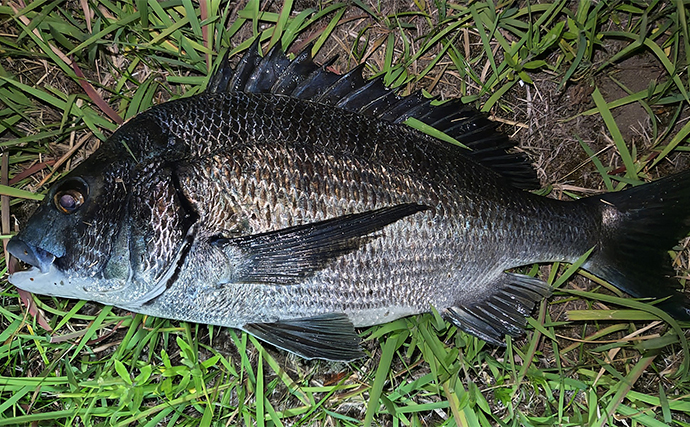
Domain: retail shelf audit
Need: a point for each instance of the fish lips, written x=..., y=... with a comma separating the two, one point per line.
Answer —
x=41, y=272
x=52, y=283
x=29, y=254
x=43, y=277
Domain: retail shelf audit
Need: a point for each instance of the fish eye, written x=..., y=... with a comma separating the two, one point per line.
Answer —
x=70, y=195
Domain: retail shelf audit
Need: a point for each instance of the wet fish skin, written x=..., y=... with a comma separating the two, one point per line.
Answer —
x=296, y=220
x=384, y=179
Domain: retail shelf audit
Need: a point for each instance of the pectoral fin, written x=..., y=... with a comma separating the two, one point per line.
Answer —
x=502, y=312
x=289, y=255
x=329, y=336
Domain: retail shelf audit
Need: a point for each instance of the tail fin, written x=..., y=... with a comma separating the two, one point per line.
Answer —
x=639, y=226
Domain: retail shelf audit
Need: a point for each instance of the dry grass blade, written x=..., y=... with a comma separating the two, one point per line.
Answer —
x=95, y=97
x=65, y=158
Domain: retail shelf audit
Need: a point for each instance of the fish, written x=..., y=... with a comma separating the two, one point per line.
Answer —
x=296, y=204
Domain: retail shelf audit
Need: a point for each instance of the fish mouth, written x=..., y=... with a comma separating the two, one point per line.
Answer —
x=30, y=256
x=42, y=276
x=36, y=271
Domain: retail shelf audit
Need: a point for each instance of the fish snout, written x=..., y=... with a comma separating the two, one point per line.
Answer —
x=31, y=255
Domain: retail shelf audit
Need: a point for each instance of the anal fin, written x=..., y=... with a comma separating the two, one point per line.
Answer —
x=328, y=336
x=503, y=312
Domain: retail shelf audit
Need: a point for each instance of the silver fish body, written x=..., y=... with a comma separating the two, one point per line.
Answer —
x=296, y=218
x=437, y=257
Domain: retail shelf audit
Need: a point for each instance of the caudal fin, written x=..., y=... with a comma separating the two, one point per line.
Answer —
x=639, y=226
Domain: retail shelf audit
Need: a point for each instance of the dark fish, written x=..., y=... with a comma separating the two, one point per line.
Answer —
x=292, y=203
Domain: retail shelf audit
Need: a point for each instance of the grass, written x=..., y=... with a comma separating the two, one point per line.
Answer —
x=70, y=72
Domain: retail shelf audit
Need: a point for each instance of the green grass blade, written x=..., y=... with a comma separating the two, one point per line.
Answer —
x=618, y=140
x=387, y=354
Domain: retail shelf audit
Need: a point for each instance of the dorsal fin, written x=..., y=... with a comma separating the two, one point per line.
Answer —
x=304, y=79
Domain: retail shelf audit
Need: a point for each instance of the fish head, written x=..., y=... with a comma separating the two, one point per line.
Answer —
x=110, y=231
x=64, y=238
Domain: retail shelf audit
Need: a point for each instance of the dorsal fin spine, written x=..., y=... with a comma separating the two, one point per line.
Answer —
x=306, y=89
x=302, y=78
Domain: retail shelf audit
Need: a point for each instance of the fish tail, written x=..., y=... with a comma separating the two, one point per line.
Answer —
x=639, y=226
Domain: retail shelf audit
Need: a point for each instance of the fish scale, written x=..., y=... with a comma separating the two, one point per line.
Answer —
x=302, y=197
x=292, y=203
x=272, y=163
